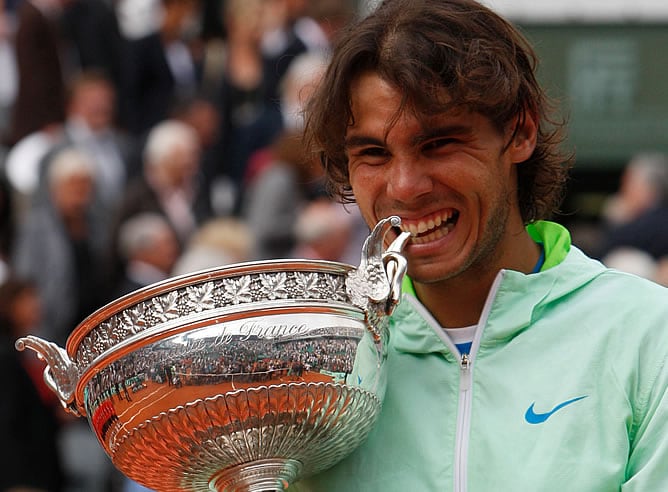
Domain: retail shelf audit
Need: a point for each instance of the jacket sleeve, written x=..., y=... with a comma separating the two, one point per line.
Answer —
x=647, y=468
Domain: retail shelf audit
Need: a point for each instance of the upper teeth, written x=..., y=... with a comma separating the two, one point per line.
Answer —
x=424, y=225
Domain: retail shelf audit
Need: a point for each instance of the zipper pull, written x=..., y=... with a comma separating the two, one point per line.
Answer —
x=465, y=374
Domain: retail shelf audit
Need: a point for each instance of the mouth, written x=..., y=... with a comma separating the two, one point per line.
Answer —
x=432, y=227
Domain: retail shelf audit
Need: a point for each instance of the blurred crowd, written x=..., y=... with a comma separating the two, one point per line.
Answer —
x=633, y=227
x=142, y=139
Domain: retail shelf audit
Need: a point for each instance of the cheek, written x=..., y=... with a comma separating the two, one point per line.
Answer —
x=366, y=178
x=366, y=189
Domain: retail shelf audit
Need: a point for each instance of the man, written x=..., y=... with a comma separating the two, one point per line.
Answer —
x=515, y=362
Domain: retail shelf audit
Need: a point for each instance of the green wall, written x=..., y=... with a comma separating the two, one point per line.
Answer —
x=612, y=83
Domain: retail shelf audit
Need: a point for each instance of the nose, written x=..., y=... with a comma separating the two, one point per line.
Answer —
x=407, y=180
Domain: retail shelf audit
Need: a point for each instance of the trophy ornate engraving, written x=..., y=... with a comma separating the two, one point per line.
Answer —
x=241, y=378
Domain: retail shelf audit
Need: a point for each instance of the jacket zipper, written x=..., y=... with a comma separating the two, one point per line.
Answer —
x=466, y=362
x=463, y=422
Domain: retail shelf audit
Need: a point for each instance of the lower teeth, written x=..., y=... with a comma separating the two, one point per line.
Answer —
x=434, y=235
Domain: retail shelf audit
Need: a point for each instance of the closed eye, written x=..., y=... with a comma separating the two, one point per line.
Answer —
x=371, y=152
x=437, y=144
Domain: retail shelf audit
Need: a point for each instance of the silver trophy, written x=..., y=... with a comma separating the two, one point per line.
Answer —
x=242, y=378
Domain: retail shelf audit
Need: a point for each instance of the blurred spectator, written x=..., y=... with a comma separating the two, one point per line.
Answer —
x=61, y=245
x=138, y=18
x=218, y=242
x=9, y=79
x=281, y=178
x=24, y=162
x=29, y=456
x=90, y=128
x=241, y=85
x=297, y=86
x=632, y=260
x=40, y=99
x=149, y=248
x=94, y=40
x=300, y=26
x=637, y=216
x=281, y=43
x=204, y=116
x=162, y=66
x=170, y=185
x=323, y=231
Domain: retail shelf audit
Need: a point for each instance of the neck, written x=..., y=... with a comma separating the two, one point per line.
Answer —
x=459, y=301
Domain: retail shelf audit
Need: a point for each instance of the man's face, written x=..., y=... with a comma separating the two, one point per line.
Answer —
x=450, y=181
x=94, y=104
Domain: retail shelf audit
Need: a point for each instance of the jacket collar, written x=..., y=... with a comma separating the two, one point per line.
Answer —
x=514, y=302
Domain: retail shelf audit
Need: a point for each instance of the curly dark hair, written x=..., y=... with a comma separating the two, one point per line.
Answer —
x=442, y=54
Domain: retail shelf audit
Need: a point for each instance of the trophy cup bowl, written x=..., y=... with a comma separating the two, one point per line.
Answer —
x=246, y=377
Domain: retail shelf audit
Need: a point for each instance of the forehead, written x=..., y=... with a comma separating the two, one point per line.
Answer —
x=377, y=103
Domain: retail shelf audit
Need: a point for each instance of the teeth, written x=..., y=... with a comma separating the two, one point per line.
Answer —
x=432, y=236
x=433, y=223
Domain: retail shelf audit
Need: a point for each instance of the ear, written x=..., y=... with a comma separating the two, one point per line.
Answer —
x=524, y=140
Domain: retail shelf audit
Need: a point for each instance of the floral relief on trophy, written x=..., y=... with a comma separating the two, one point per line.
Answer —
x=196, y=300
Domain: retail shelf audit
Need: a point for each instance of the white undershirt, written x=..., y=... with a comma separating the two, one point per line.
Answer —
x=461, y=335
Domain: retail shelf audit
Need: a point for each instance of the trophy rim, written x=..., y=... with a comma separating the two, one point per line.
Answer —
x=93, y=320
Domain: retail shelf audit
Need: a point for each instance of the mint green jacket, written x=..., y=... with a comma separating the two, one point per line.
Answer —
x=565, y=389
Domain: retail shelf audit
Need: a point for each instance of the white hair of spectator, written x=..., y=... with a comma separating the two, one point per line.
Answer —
x=297, y=85
x=321, y=219
x=140, y=232
x=631, y=260
x=69, y=162
x=165, y=137
x=220, y=241
x=652, y=168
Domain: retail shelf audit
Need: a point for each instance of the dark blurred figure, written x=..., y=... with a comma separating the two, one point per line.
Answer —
x=301, y=26
x=29, y=457
x=7, y=227
x=162, y=67
x=637, y=216
x=281, y=178
x=203, y=115
x=40, y=100
x=282, y=181
x=93, y=38
x=62, y=246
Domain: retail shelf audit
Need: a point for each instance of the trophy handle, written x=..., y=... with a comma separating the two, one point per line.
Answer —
x=395, y=267
x=375, y=286
x=60, y=373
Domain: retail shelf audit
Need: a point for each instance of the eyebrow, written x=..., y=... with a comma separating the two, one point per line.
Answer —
x=360, y=141
x=441, y=131
x=427, y=134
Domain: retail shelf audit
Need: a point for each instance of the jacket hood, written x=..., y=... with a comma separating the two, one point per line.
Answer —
x=515, y=300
